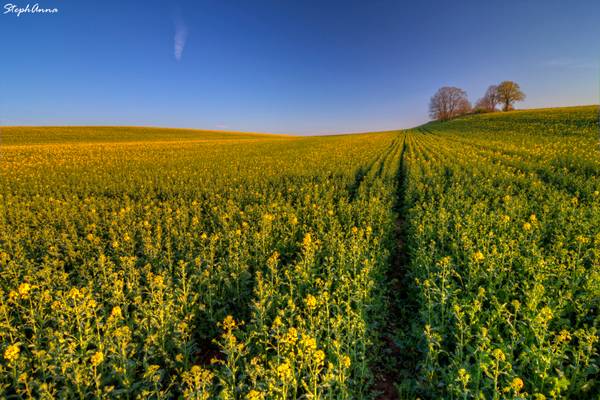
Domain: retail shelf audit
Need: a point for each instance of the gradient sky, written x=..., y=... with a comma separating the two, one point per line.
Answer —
x=286, y=66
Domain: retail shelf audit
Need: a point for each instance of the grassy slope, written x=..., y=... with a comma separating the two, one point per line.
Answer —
x=546, y=163
x=579, y=120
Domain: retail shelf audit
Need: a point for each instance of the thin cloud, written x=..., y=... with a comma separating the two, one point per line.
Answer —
x=572, y=63
x=181, y=33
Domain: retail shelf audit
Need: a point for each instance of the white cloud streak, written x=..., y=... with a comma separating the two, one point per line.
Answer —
x=181, y=33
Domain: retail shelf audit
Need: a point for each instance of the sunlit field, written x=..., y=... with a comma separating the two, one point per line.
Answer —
x=456, y=260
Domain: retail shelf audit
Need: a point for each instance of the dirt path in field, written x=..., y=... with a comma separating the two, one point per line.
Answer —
x=398, y=362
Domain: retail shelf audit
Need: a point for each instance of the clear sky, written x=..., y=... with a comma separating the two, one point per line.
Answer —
x=286, y=66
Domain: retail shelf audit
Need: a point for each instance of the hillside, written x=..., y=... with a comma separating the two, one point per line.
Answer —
x=453, y=260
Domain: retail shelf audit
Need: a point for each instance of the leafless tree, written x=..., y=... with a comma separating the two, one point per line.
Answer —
x=489, y=101
x=449, y=102
x=508, y=93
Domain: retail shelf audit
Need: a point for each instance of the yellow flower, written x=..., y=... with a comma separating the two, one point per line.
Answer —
x=11, y=353
x=499, y=355
x=309, y=343
x=307, y=240
x=311, y=302
x=268, y=217
x=255, y=395
x=463, y=376
x=179, y=357
x=319, y=357
x=582, y=239
x=505, y=218
x=151, y=372
x=158, y=281
x=354, y=230
x=116, y=312
x=284, y=371
x=97, y=358
x=277, y=322
x=229, y=323
x=24, y=289
x=564, y=336
x=527, y=226
x=477, y=256
x=532, y=218
x=516, y=304
x=517, y=384
x=123, y=332
x=346, y=361
x=291, y=336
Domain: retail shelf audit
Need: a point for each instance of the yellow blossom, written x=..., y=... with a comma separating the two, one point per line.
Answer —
x=517, y=384
x=116, y=312
x=97, y=358
x=255, y=395
x=229, y=323
x=346, y=361
x=11, y=354
x=499, y=355
x=319, y=357
x=291, y=336
x=24, y=289
x=463, y=376
x=285, y=372
x=477, y=256
x=311, y=302
x=307, y=240
x=309, y=343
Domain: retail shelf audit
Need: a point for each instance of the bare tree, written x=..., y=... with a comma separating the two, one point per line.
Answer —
x=449, y=102
x=489, y=101
x=508, y=93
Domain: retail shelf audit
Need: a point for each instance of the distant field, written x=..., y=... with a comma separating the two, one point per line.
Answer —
x=454, y=260
x=110, y=134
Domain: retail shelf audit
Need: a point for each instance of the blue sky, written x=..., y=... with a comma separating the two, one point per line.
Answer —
x=288, y=66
